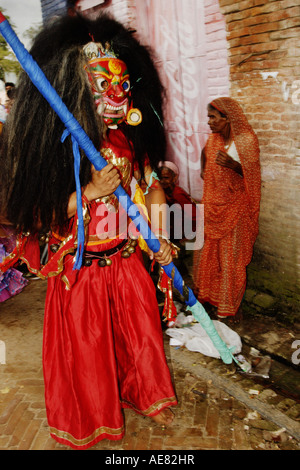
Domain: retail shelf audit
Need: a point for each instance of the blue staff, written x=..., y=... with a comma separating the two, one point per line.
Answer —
x=80, y=139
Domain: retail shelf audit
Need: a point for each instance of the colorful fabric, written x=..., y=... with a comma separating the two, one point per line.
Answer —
x=231, y=211
x=12, y=281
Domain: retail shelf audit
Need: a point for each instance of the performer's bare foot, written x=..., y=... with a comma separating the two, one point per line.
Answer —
x=165, y=417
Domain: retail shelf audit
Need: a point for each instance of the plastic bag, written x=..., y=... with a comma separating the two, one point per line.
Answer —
x=195, y=338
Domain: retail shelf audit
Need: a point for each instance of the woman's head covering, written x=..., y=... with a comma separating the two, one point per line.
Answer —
x=247, y=146
x=170, y=165
x=232, y=109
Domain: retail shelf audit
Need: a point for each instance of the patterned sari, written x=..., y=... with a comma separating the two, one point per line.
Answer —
x=231, y=212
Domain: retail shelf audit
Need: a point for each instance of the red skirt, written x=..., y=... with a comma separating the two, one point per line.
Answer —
x=220, y=268
x=102, y=351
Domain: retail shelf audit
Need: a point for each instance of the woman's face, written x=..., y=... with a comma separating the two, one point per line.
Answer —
x=216, y=122
x=167, y=179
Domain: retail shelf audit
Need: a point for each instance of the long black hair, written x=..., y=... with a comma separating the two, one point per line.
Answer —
x=37, y=175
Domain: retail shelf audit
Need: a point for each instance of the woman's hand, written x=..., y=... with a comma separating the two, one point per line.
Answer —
x=225, y=160
x=164, y=255
x=104, y=182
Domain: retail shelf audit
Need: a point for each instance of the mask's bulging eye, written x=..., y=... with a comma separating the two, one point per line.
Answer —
x=126, y=85
x=102, y=84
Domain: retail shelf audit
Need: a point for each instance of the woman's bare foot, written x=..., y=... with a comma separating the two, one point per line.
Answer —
x=165, y=417
x=237, y=318
x=232, y=319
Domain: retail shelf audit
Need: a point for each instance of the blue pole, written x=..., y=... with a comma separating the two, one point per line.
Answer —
x=81, y=139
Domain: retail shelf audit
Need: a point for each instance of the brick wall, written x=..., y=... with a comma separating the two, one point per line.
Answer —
x=264, y=59
x=216, y=51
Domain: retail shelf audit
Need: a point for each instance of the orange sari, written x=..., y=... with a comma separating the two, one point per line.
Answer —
x=231, y=211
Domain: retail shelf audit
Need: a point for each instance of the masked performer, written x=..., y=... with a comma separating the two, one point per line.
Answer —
x=231, y=172
x=103, y=348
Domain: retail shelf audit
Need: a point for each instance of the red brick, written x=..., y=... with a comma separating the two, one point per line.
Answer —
x=280, y=126
x=234, y=8
x=156, y=444
x=212, y=423
x=246, y=4
x=290, y=23
x=287, y=3
x=224, y=3
x=15, y=417
x=258, y=2
x=30, y=434
x=9, y=410
x=240, y=435
x=19, y=431
x=253, y=39
x=41, y=439
x=240, y=50
x=263, y=28
x=285, y=34
x=283, y=14
x=246, y=22
x=237, y=33
x=267, y=7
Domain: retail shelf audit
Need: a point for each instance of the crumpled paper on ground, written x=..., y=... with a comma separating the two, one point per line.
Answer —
x=195, y=338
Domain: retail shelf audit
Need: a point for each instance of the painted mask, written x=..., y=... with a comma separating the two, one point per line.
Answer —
x=109, y=79
x=111, y=89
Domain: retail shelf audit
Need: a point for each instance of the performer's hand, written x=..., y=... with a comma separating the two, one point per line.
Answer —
x=104, y=182
x=164, y=255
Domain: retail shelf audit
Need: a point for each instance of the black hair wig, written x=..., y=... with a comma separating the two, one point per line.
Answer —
x=37, y=168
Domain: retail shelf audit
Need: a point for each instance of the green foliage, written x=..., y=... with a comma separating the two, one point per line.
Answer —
x=8, y=61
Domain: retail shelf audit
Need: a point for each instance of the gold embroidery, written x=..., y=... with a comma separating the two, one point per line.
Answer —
x=93, y=240
x=155, y=407
x=124, y=167
x=66, y=281
x=81, y=442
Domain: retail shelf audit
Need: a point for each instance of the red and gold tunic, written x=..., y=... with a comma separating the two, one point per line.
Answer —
x=103, y=347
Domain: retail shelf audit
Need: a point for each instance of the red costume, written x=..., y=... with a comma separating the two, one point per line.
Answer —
x=103, y=348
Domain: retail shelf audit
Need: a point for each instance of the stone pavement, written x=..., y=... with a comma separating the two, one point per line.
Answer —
x=219, y=407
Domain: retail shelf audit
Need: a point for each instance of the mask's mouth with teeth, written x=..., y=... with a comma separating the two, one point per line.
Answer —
x=115, y=111
x=111, y=110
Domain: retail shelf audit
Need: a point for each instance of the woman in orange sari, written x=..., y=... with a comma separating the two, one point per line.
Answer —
x=231, y=173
